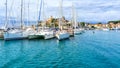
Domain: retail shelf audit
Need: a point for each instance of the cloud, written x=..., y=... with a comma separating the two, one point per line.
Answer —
x=87, y=10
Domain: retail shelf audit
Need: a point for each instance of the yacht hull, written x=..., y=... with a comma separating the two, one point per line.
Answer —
x=105, y=29
x=35, y=37
x=63, y=36
x=49, y=36
x=14, y=36
x=78, y=31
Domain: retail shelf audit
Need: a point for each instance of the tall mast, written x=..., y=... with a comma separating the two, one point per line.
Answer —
x=74, y=16
x=28, y=12
x=6, y=20
x=40, y=11
x=44, y=15
x=60, y=14
x=21, y=14
x=75, y=19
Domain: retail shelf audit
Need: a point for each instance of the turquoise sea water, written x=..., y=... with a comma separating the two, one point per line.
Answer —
x=89, y=50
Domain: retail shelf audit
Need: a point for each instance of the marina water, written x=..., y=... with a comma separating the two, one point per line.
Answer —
x=89, y=50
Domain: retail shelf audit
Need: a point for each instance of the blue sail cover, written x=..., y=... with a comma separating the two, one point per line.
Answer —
x=40, y=11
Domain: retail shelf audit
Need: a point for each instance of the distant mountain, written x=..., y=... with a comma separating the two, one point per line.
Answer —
x=94, y=22
x=15, y=23
x=115, y=22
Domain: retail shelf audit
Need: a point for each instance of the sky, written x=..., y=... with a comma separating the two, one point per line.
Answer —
x=87, y=10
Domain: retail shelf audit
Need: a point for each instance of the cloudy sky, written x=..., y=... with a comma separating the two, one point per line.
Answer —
x=87, y=10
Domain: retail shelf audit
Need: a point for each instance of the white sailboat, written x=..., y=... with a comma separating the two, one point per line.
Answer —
x=44, y=33
x=61, y=34
x=48, y=34
x=106, y=29
x=39, y=32
x=76, y=30
x=21, y=33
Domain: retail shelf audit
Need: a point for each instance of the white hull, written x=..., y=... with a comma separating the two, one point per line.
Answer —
x=117, y=28
x=78, y=31
x=62, y=35
x=105, y=29
x=13, y=36
x=17, y=34
x=45, y=34
x=48, y=34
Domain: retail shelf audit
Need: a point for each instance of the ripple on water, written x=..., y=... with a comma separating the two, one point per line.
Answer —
x=88, y=50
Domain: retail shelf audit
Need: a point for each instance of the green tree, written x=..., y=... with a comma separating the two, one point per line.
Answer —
x=99, y=22
x=82, y=24
x=115, y=22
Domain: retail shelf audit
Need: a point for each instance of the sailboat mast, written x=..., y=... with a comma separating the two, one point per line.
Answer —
x=74, y=16
x=40, y=11
x=21, y=14
x=6, y=22
x=61, y=14
x=28, y=12
x=44, y=15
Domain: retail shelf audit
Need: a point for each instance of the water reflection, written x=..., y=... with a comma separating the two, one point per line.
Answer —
x=87, y=50
x=11, y=51
x=61, y=45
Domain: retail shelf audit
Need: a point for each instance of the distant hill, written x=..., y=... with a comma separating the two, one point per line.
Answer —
x=15, y=23
x=115, y=22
